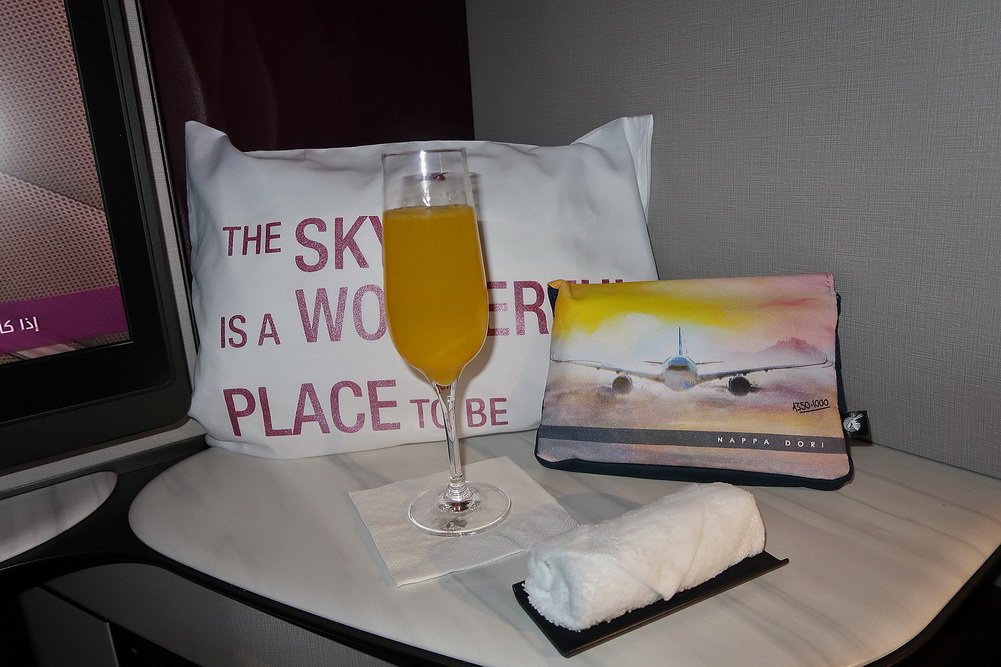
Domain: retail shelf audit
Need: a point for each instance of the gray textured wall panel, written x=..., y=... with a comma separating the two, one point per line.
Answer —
x=862, y=138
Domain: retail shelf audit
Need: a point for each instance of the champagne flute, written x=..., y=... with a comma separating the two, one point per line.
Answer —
x=436, y=307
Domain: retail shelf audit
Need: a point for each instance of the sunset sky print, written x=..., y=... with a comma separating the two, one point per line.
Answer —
x=716, y=317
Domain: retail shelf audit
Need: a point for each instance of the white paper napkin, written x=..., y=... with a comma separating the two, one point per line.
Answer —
x=412, y=556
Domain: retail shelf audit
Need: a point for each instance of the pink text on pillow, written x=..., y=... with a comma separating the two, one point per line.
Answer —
x=349, y=407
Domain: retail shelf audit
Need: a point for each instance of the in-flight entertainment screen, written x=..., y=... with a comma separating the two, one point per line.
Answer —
x=59, y=284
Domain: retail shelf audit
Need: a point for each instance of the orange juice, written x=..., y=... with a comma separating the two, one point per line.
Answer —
x=436, y=293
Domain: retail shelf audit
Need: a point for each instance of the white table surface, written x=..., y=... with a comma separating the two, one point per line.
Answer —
x=871, y=565
x=35, y=517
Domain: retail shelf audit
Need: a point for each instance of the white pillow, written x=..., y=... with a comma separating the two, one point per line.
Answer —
x=272, y=232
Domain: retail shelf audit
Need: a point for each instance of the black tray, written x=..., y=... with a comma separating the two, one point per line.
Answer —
x=569, y=642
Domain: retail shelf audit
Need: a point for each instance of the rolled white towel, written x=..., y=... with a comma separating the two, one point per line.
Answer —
x=594, y=573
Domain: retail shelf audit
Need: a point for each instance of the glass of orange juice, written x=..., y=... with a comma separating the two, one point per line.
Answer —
x=436, y=308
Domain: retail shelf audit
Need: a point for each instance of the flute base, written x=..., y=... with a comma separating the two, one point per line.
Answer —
x=431, y=513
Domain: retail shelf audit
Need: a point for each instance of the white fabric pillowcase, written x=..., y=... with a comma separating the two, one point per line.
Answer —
x=294, y=356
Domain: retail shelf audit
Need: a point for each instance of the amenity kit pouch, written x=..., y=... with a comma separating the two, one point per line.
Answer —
x=726, y=379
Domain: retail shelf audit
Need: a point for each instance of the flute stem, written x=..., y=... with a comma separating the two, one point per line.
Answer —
x=457, y=497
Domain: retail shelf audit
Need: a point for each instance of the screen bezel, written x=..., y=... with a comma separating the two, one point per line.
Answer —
x=66, y=403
